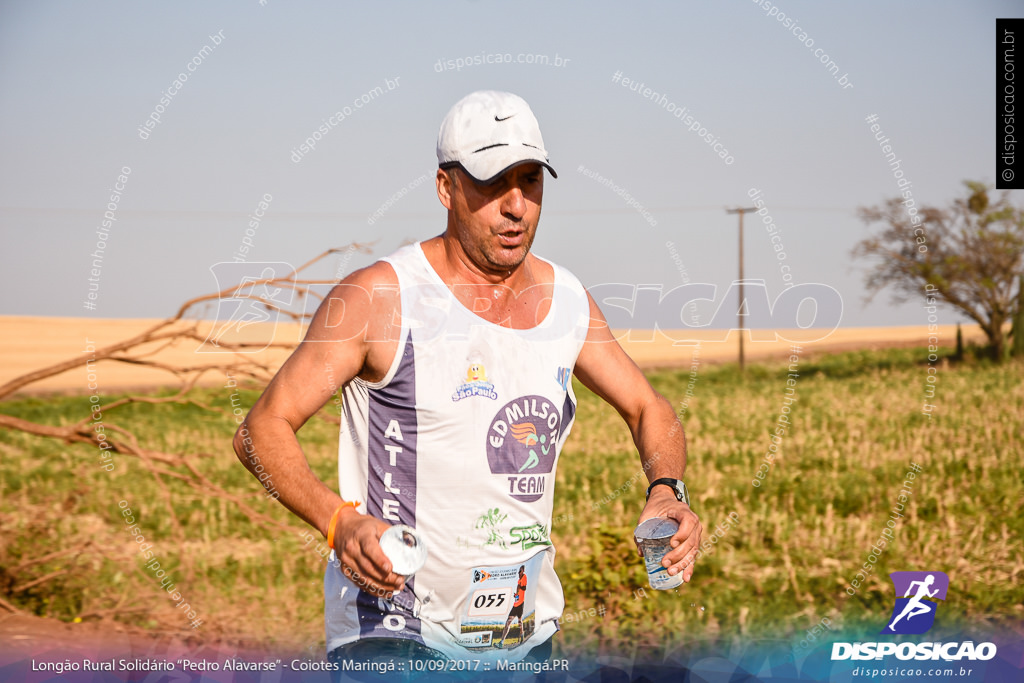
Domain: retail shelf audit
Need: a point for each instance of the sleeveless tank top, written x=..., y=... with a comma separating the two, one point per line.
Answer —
x=460, y=440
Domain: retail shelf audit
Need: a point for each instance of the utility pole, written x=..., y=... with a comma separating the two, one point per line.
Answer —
x=739, y=311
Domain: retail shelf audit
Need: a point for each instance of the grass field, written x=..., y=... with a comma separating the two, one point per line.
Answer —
x=793, y=546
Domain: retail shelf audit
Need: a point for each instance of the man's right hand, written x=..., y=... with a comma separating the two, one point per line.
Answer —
x=357, y=544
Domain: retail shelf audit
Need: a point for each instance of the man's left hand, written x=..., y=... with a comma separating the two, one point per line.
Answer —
x=686, y=540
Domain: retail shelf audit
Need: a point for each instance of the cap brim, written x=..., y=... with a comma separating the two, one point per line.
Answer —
x=486, y=166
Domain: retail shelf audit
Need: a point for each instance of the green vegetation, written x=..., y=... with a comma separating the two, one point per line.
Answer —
x=857, y=425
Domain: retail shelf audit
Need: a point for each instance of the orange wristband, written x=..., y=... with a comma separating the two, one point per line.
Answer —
x=334, y=520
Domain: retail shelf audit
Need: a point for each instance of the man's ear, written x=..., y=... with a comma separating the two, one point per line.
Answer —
x=446, y=187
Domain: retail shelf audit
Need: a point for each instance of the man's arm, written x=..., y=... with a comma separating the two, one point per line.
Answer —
x=351, y=334
x=605, y=369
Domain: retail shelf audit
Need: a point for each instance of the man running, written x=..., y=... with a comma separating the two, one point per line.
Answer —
x=454, y=355
x=517, y=609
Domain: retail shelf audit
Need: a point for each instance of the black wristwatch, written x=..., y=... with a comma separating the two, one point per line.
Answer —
x=677, y=486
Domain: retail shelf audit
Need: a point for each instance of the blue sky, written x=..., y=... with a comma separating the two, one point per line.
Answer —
x=77, y=80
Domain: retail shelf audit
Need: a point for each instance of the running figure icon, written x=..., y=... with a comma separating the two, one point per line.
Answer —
x=915, y=606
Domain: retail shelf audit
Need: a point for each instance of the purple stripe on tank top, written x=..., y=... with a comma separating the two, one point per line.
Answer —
x=568, y=412
x=391, y=490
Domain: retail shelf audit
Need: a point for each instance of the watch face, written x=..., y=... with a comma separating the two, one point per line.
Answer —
x=680, y=489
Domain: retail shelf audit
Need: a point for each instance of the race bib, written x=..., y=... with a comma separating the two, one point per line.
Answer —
x=499, y=612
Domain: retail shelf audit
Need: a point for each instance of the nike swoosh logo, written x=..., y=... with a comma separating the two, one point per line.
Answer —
x=504, y=119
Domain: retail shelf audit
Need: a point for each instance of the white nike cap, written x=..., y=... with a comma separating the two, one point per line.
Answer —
x=488, y=132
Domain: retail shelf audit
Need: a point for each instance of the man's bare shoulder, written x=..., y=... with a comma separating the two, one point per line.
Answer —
x=358, y=304
x=377, y=274
x=372, y=284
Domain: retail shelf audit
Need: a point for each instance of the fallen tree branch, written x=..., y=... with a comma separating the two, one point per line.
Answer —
x=236, y=359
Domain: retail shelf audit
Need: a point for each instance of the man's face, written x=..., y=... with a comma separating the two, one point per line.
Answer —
x=495, y=223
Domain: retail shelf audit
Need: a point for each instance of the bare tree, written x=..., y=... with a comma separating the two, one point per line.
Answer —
x=968, y=255
x=142, y=350
x=234, y=358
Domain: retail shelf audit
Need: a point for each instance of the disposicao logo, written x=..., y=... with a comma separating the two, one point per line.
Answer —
x=914, y=614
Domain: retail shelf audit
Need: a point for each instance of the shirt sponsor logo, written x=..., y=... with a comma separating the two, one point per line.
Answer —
x=476, y=384
x=530, y=536
x=489, y=522
x=521, y=445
